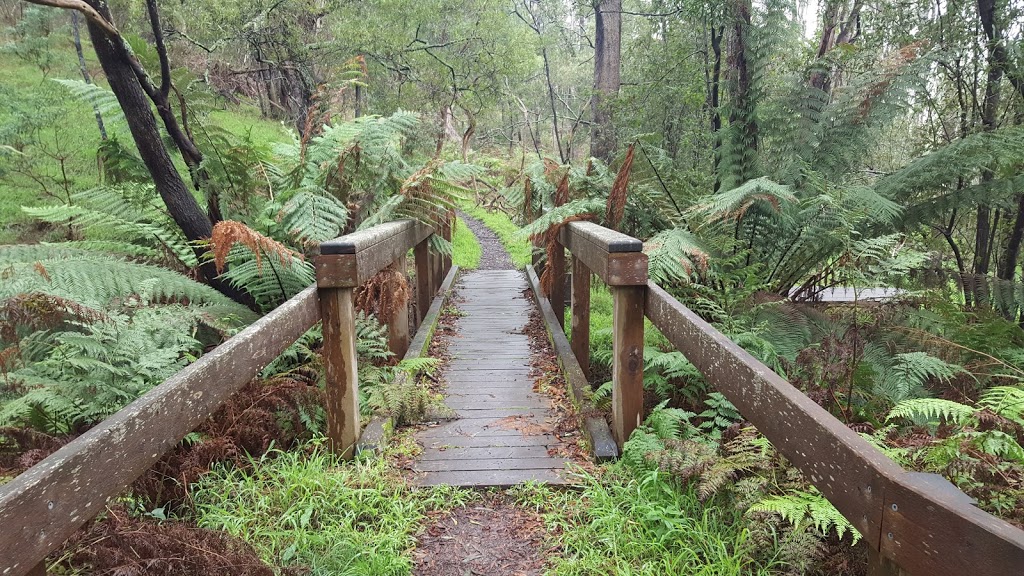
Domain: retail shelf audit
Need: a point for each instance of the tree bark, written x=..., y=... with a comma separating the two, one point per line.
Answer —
x=607, y=70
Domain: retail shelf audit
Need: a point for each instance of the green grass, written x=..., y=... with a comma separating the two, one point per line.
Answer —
x=466, y=249
x=518, y=247
x=619, y=523
x=307, y=509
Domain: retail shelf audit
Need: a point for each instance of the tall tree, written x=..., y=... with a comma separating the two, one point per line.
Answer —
x=607, y=76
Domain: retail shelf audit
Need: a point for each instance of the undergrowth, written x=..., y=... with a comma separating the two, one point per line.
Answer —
x=643, y=524
x=306, y=509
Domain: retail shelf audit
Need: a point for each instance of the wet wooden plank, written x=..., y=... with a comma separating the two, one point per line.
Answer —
x=477, y=403
x=490, y=464
x=508, y=440
x=483, y=453
x=478, y=427
x=489, y=478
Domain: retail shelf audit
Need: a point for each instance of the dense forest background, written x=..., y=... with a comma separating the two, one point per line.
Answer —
x=838, y=186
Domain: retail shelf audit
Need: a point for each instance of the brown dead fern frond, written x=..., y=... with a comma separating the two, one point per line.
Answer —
x=562, y=192
x=227, y=233
x=41, y=270
x=384, y=295
x=550, y=239
x=619, y=191
x=38, y=311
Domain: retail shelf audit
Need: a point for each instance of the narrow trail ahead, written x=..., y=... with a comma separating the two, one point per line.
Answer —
x=493, y=256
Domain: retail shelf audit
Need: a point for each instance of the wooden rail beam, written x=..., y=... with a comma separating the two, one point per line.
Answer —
x=47, y=503
x=349, y=261
x=919, y=521
x=617, y=259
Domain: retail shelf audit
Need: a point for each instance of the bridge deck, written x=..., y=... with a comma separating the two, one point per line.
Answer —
x=502, y=434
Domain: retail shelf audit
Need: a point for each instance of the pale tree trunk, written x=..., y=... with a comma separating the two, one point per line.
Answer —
x=85, y=71
x=607, y=69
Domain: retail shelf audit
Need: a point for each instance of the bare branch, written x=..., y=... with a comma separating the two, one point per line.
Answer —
x=88, y=11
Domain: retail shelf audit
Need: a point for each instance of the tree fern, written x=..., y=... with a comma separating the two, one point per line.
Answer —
x=101, y=282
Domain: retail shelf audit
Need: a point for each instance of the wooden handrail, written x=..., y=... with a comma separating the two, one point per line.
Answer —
x=914, y=523
x=343, y=265
x=47, y=503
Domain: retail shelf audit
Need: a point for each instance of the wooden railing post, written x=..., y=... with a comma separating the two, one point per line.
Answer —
x=424, y=270
x=39, y=570
x=619, y=261
x=581, y=314
x=627, y=360
x=398, y=328
x=337, y=307
x=557, y=295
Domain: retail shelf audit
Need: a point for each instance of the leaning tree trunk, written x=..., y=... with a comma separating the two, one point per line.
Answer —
x=181, y=205
x=607, y=68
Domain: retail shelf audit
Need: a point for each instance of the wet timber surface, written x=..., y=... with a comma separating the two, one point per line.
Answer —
x=502, y=432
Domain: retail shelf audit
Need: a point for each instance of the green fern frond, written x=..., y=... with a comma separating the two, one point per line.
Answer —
x=801, y=508
x=931, y=410
x=99, y=98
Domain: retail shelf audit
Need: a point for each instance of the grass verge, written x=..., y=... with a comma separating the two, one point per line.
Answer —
x=518, y=247
x=621, y=523
x=307, y=509
x=466, y=251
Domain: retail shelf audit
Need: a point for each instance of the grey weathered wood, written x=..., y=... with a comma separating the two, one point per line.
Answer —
x=44, y=505
x=609, y=240
x=933, y=529
x=580, y=341
x=489, y=478
x=466, y=441
x=487, y=464
x=491, y=390
x=606, y=254
x=472, y=428
x=341, y=376
x=627, y=360
x=346, y=263
x=487, y=452
x=375, y=435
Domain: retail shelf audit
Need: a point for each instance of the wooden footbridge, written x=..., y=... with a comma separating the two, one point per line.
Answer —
x=912, y=523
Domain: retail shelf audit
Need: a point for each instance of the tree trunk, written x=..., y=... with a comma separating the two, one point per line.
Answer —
x=607, y=69
x=714, y=97
x=181, y=205
x=990, y=109
x=741, y=106
x=85, y=71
